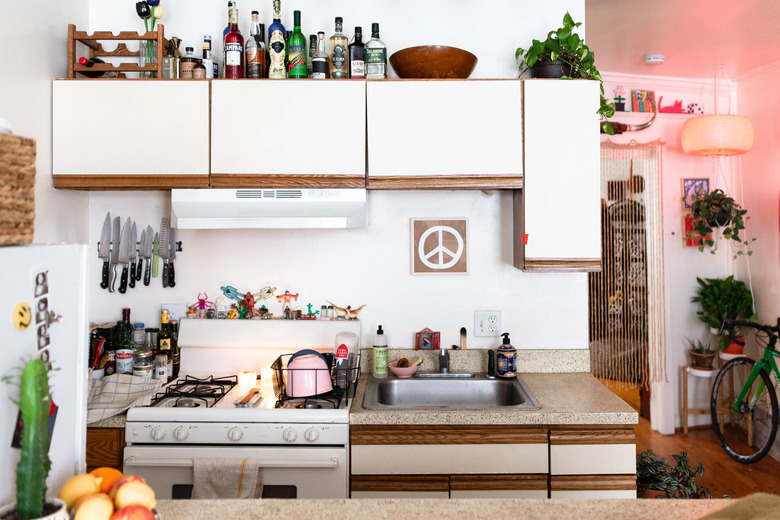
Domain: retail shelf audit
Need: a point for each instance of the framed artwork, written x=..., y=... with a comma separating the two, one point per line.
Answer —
x=691, y=186
x=427, y=339
x=439, y=246
x=688, y=226
x=642, y=101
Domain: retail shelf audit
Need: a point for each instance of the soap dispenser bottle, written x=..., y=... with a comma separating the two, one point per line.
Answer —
x=380, y=354
x=506, y=359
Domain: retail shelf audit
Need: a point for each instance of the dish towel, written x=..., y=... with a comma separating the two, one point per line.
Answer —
x=227, y=478
x=116, y=393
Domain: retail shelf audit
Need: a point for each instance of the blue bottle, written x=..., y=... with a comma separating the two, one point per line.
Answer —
x=506, y=359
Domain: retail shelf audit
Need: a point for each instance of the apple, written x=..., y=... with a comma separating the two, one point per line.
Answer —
x=121, y=481
x=133, y=513
x=135, y=493
x=93, y=507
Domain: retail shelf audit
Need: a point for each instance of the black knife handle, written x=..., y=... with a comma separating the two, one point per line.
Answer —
x=131, y=274
x=165, y=273
x=171, y=275
x=104, y=276
x=139, y=270
x=123, y=281
x=148, y=271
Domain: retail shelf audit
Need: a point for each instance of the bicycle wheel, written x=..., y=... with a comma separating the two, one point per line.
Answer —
x=746, y=435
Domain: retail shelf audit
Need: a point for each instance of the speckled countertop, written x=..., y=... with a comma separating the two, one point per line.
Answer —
x=455, y=509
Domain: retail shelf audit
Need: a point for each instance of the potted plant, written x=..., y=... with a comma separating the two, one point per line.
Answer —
x=34, y=464
x=673, y=481
x=719, y=297
x=702, y=354
x=712, y=210
x=564, y=55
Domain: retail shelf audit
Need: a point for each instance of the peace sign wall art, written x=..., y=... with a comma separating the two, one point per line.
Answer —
x=439, y=246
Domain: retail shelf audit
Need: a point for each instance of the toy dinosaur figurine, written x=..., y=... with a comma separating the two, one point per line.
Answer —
x=346, y=313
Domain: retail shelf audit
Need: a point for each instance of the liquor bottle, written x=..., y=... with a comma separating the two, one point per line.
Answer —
x=297, y=53
x=339, y=69
x=234, y=49
x=231, y=5
x=164, y=342
x=188, y=62
x=255, y=50
x=90, y=74
x=311, y=53
x=209, y=60
x=319, y=64
x=287, y=53
x=376, y=55
x=276, y=45
x=124, y=353
x=170, y=65
x=175, y=352
x=199, y=70
x=357, y=55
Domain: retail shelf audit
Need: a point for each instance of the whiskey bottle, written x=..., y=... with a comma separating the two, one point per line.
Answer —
x=234, y=49
x=188, y=64
x=339, y=69
x=376, y=55
x=276, y=45
x=255, y=50
x=319, y=63
x=357, y=56
x=199, y=70
x=297, y=50
x=209, y=60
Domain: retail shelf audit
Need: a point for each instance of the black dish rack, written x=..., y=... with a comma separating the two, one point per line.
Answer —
x=344, y=380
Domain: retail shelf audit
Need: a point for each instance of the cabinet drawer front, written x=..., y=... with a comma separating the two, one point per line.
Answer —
x=498, y=482
x=499, y=493
x=400, y=494
x=104, y=447
x=449, y=459
x=405, y=483
x=446, y=434
x=445, y=127
x=574, y=459
x=594, y=494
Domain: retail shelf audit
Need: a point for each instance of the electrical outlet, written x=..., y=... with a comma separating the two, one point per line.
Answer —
x=487, y=323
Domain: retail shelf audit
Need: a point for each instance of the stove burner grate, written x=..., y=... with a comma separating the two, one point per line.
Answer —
x=199, y=392
x=190, y=402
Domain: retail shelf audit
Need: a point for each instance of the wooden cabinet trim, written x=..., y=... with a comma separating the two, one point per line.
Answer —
x=552, y=265
x=235, y=180
x=591, y=437
x=491, y=482
x=444, y=434
x=128, y=182
x=449, y=182
x=105, y=447
x=400, y=483
x=592, y=482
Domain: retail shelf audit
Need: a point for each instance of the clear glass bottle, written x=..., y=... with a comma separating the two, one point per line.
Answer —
x=296, y=55
x=234, y=49
x=357, y=56
x=320, y=66
x=339, y=68
x=139, y=336
x=376, y=55
x=209, y=60
x=276, y=45
x=188, y=62
x=255, y=49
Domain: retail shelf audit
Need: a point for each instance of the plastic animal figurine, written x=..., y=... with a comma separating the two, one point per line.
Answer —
x=673, y=109
x=203, y=302
x=346, y=313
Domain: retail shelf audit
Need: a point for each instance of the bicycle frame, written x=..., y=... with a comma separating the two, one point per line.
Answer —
x=767, y=362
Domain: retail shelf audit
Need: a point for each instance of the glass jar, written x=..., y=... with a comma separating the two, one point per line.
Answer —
x=138, y=336
x=143, y=363
x=147, y=55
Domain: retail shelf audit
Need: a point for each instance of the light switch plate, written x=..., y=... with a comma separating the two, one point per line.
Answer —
x=487, y=323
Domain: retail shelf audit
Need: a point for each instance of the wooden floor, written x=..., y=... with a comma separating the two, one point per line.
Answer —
x=722, y=475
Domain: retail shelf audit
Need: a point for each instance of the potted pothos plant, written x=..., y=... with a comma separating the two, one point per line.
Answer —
x=34, y=464
x=673, y=481
x=714, y=210
x=565, y=55
x=702, y=354
x=719, y=297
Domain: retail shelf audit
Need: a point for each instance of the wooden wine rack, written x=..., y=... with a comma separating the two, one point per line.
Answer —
x=92, y=41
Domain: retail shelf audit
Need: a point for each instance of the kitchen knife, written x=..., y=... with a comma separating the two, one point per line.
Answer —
x=133, y=249
x=172, y=257
x=163, y=249
x=147, y=253
x=124, y=254
x=139, y=270
x=104, y=250
x=155, y=256
x=114, y=253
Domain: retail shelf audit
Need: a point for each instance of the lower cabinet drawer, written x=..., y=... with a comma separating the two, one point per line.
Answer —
x=589, y=452
x=498, y=486
x=400, y=486
x=593, y=486
x=104, y=447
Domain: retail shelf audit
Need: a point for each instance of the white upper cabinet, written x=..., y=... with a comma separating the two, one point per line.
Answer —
x=132, y=134
x=445, y=133
x=267, y=130
x=560, y=201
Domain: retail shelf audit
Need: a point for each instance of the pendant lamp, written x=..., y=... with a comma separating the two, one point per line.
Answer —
x=717, y=135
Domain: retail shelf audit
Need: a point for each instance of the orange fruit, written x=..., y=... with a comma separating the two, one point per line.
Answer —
x=109, y=476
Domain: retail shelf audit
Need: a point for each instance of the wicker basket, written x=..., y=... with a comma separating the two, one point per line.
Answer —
x=17, y=189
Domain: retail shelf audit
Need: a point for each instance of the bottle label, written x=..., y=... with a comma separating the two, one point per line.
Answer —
x=376, y=62
x=124, y=361
x=165, y=344
x=233, y=52
x=339, y=61
x=199, y=73
x=276, y=53
x=357, y=69
x=319, y=68
x=297, y=64
x=380, y=360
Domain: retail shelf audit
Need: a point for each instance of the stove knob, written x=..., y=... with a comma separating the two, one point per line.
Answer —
x=180, y=433
x=290, y=435
x=311, y=434
x=235, y=434
x=157, y=433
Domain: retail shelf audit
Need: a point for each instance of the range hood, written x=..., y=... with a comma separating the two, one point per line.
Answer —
x=268, y=208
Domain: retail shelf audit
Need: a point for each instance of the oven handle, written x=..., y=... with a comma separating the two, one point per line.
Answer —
x=188, y=463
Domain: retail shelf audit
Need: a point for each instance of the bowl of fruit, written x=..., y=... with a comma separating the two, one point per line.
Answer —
x=403, y=368
x=107, y=494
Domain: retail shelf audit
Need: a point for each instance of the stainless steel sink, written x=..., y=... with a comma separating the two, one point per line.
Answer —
x=431, y=392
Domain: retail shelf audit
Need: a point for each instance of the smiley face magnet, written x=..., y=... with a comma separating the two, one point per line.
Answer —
x=22, y=316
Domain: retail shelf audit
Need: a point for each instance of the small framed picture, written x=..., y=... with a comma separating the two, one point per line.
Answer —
x=427, y=339
x=690, y=240
x=691, y=186
x=439, y=246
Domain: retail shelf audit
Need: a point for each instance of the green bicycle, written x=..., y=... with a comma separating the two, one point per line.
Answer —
x=743, y=403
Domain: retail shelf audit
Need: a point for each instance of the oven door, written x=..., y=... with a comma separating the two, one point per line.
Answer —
x=288, y=472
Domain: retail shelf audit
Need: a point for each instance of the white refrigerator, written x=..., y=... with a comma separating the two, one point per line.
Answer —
x=43, y=312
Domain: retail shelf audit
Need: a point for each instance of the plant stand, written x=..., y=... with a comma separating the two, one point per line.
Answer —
x=698, y=372
x=96, y=51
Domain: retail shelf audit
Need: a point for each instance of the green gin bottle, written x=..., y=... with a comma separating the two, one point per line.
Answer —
x=297, y=50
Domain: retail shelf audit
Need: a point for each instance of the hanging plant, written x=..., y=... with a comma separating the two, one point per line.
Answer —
x=711, y=210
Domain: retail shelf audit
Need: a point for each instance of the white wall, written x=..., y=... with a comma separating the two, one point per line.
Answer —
x=35, y=53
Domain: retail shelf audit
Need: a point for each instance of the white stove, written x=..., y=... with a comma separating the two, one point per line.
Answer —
x=302, y=443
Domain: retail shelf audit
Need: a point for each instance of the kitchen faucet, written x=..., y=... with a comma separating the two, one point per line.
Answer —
x=444, y=361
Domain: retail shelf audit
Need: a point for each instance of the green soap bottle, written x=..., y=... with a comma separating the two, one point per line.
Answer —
x=380, y=354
